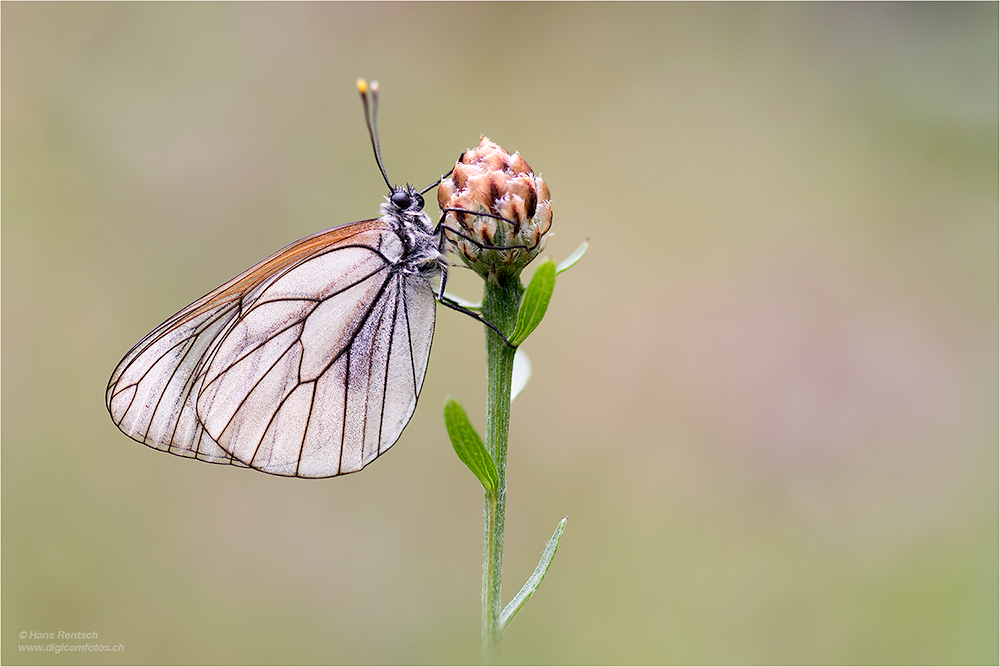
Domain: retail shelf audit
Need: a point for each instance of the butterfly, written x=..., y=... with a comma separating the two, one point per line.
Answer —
x=308, y=364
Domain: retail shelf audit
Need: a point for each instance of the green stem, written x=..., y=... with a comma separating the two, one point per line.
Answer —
x=500, y=304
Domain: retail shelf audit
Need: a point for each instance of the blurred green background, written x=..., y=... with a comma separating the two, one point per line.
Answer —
x=767, y=398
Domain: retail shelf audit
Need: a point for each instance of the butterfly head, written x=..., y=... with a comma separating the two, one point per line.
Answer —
x=406, y=199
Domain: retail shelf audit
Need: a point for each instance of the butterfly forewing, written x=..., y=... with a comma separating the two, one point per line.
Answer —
x=309, y=364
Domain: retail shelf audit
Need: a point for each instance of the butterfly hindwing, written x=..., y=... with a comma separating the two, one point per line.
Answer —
x=153, y=391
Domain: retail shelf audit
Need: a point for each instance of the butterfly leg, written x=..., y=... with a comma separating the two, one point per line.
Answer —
x=445, y=301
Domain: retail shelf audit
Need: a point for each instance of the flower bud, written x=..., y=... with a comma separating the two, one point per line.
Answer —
x=489, y=180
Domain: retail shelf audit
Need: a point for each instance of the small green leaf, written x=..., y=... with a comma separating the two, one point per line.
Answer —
x=469, y=446
x=536, y=577
x=574, y=258
x=535, y=302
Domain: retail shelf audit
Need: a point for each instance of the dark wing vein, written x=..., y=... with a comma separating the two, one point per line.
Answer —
x=409, y=340
x=305, y=429
x=388, y=366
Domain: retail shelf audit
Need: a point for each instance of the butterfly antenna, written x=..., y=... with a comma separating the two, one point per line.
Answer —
x=371, y=121
x=437, y=182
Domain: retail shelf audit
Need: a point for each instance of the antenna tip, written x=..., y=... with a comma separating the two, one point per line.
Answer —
x=362, y=85
x=374, y=87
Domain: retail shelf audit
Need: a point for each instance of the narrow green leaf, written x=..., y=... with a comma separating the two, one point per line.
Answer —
x=536, y=577
x=574, y=258
x=469, y=446
x=535, y=302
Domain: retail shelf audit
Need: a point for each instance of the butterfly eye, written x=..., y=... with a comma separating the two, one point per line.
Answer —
x=401, y=199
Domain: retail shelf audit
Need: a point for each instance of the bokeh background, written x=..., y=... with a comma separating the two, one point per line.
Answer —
x=766, y=399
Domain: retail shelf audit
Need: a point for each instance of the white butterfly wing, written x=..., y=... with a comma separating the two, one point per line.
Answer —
x=309, y=364
x=152, y=393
